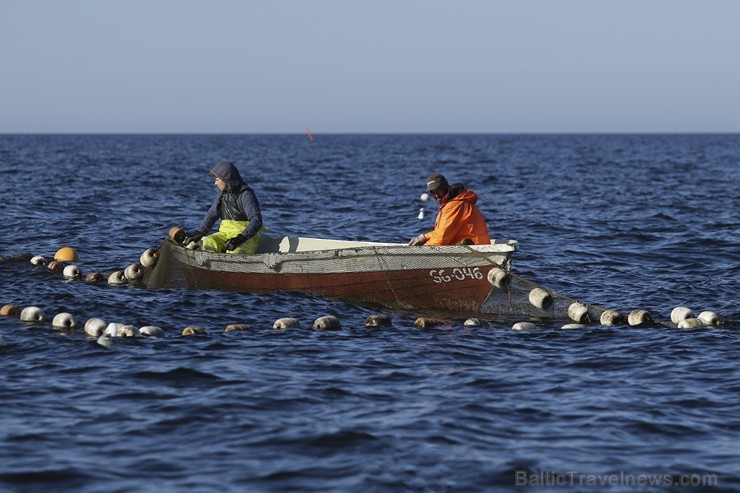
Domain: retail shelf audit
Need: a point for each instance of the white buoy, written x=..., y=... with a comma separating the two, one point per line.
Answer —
x=286, y=323
x=709, y=318
x=572, y=326
x=472, y=322
x=151, y=331
x=95, y=327
x=499, y=278
x=104, y=340
x=38, y=260
x=133, y=272
x=64, y=320
x=378, y=321
x=611, y=317
x=120, y=330
x=421, y=213
x=523, y=326
x=424, y=197
x=111, y=330
x=639, y=317
x=540, y=298
x=127, y=331
x=32, y=314
x=54, y=266
x=149, y=257
x=578, y=312
x=117, y=278
x=327, y=322
x=690, y=323
x=680, y=313
x=72, y=272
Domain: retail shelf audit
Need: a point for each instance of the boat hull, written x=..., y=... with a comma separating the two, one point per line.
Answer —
x=448, y=278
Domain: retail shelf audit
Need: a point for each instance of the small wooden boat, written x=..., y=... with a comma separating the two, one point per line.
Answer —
x=461, y=279
x=382, y=274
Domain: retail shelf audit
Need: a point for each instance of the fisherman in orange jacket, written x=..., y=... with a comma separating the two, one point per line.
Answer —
x=459, y=221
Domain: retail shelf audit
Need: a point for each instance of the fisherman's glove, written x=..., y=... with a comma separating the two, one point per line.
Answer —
x=194, y=237
x=234, y=242
x=418, y=241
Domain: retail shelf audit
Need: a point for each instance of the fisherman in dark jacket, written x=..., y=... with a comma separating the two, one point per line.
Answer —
x=237, y=207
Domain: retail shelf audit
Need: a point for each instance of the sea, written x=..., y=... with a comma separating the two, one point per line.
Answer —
x=644, y=221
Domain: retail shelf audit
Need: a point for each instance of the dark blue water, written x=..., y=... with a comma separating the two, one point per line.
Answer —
x=624, y=221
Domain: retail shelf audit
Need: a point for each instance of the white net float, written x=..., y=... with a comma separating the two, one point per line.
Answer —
x=540, y=298
x=327, y=322
x=286, y=323
x=32, y=314
x=680, y=313
x=95, y=327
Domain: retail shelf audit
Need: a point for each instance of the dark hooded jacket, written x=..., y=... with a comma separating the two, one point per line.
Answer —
x=237, y=203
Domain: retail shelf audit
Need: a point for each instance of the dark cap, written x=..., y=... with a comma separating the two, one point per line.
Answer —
x=435, y=181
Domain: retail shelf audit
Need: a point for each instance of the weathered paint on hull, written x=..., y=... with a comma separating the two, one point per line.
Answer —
x=436, y=278
x=406, y=290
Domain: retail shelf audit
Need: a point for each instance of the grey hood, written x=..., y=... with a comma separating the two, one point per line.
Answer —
x=228, y=173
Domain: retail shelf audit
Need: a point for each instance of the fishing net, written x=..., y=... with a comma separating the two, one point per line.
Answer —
x=434, y=280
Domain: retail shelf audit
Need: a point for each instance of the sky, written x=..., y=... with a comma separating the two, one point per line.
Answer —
x=369, y=66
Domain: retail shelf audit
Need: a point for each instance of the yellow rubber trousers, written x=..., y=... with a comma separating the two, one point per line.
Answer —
x=228, y=229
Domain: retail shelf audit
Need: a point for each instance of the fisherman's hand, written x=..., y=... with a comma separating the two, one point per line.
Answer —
x=418, y=241
x=194, y=237
x=234, y=242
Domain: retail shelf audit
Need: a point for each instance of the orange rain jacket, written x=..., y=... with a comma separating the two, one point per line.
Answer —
x=459, y=218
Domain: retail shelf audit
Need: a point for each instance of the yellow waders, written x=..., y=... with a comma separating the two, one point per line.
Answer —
x=228, y=229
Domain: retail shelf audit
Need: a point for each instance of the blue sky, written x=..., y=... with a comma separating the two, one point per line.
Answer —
x=369, y=66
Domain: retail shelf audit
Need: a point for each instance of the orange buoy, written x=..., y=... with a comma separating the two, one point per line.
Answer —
x=10, y=311
x=66, y=254
x=177, y=234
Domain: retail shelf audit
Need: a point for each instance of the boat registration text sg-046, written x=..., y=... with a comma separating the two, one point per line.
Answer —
x=440, y=276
